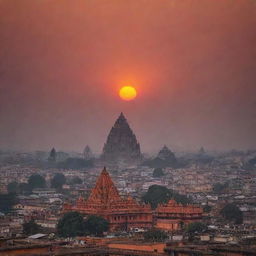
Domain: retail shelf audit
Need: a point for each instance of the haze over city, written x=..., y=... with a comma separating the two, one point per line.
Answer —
x=192, y=63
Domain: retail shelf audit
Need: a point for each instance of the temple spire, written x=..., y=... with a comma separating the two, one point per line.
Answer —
x=121, y=144
x=87, y=153
x=104, y=191
x=122, y=115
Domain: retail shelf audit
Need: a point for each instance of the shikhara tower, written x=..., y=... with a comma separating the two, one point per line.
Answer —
x=121, y=145
x=125, y=213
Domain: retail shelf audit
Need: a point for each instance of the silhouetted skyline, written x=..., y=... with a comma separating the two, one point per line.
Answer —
x=192, y=63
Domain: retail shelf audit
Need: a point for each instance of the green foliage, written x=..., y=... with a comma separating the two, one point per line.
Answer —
x=7, y=201
x=207, y=208
x=161, y=163
x=31, y=228
x=58, y=181
x=159, y=194
x=232, y=213
x=24, y=188
x=96, y=225
x=196, y=227
x=158, y=172
x=13, y=187
x=76, y=180
x=71, y=224
x=155, y=235
x=36, y=181
x=252, y=161
x=236, y=184
x=18, y=188
x=181, y=198
x=76, y=163
x=218, y=188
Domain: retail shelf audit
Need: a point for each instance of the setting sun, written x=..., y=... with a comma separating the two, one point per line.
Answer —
x=127, y=93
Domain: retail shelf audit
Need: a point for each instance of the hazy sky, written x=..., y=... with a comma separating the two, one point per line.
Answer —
x=193, y=63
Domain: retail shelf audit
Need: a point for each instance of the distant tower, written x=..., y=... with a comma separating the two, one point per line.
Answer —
x=87, y=153
x=166, y=154
x=201, y=151
x=121, y=145
x=52, y=156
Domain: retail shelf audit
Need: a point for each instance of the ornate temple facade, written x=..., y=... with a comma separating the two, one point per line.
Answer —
x=121, y=145
x=126, y=213
x=105, y=201
x=172, y=216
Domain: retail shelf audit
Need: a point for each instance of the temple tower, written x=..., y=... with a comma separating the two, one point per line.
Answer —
x=121, y=145
x=87, y=153
x=104, y=192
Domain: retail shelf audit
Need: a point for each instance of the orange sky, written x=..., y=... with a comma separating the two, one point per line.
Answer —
x=192, y=62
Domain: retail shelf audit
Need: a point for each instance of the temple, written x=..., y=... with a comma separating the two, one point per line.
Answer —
x=105, y=201
x=87, y=153
x=126, y=213
x=121, y=145
x=172, y=216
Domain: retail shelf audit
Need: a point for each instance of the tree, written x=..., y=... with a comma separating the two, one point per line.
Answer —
x=36, y=181
x=58, y=181
x=181, y=198
x=159, y=194
x=158, y=172
x=52, y=156
x=31, y=227
x=207, y=208
x=7, y=201
x=76, y=180
x=13, y=187
x=218, y=188
x=155, y=235
x=24, y=188
x=232, y=213
x=196, y=227
x=96, y=225
x=252, y=161
x=71, y=224
x=76, y=163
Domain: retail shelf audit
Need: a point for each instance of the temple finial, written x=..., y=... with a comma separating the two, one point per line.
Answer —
x=122, y=115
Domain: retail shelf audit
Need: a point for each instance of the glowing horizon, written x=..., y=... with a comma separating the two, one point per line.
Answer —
x=192, y=64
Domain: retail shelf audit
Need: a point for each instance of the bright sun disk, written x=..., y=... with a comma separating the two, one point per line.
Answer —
x=127, y=93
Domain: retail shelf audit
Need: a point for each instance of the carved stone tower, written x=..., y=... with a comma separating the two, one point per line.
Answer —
x=121, y=145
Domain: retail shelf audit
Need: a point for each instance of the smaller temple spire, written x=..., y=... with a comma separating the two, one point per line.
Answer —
x=121, y=115
x=87, y=153
x=104, y=171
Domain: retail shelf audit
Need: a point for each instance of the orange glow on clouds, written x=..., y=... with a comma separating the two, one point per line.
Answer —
x=127, y=93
